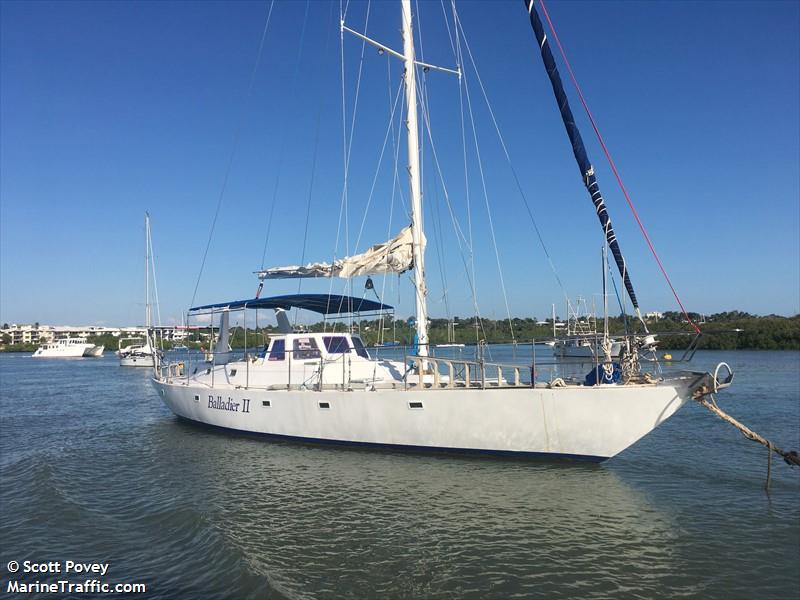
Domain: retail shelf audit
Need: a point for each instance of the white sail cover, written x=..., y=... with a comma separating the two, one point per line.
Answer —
x=394, y=256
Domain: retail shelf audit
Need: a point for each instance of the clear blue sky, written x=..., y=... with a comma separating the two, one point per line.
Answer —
x=109, y=109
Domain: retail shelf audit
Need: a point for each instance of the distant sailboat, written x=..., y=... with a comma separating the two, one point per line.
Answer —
x=140, y=352
x=451, y=337
x=582, y=339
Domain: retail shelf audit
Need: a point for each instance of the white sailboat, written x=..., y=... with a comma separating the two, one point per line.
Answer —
x=582, y=339
x=451, y=337
x=140, y=351
x=325, y=387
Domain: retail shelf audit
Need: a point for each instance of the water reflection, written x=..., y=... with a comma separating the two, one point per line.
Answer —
x=356, y=523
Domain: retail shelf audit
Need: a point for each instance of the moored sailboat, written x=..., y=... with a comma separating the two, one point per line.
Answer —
x=326, y=387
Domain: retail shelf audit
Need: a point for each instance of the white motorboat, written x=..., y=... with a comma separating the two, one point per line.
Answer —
x=68, y=348
x=325, y=387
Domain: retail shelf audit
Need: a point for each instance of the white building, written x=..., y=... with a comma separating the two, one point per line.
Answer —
x=39, y=334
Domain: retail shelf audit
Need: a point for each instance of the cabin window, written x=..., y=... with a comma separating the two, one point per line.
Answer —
x=359, y=346
x=336, y=344
x=278, y=351
x=305, y=348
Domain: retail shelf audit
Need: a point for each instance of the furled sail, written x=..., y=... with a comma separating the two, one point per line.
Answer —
x=578, y=149
x=394, y=256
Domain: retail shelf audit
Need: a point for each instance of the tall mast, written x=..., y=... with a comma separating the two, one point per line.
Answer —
x=147, y=317
x=414, y=177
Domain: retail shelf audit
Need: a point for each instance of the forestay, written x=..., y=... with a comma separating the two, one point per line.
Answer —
x=393, y=256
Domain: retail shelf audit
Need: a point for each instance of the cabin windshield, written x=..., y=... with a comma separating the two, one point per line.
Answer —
x=278, y=350
x=359, y=347
x=336, y=344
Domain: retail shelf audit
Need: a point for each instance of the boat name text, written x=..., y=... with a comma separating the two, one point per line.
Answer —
x=219, y=404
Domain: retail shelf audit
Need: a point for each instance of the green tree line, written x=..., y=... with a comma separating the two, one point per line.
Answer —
x=732, y=330
x=723, y=331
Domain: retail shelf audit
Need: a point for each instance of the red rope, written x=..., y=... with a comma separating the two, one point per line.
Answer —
x=613, y=166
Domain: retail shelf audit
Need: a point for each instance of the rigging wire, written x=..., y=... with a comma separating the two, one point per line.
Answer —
x=435, y=214
x=514, y=173
x=460, y=62
x=396, y=148
x=282, y=153
x=488, y=208
x=389, y=129
x=236, y=137
x=613, y=166
x=454, y=219
x=438, y=235
x=310, y=193
x=153, y=269
x=347, y=145
x=313, y=169
x=620, y=299
x=447, y=26
x=486, y=196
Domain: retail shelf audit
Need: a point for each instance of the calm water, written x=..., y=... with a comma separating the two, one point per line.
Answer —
x=95, y=468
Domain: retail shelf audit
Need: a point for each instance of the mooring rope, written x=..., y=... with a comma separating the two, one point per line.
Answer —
x=791, y=457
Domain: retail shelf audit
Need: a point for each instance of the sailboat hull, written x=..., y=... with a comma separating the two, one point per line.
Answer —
x=590, y=423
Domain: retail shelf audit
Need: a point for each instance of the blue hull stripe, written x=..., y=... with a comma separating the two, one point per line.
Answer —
x=401, y=447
